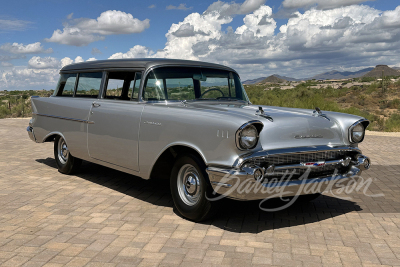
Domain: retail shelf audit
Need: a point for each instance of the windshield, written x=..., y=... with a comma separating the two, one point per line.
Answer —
x=186, y=83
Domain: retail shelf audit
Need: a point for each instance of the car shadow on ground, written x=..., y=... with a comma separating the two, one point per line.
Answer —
x=234, y=216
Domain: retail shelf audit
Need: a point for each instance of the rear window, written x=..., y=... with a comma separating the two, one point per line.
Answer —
x=89, y=84
x=66, y=85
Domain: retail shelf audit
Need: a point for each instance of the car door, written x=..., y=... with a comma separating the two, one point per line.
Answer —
x=113, y=137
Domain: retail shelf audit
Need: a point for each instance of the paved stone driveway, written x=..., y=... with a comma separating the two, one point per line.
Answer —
x=103, y=217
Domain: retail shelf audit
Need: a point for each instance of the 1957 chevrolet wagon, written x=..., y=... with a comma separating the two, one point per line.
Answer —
x=193, y=123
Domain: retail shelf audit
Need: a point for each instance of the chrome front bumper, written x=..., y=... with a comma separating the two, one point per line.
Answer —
x=31, y=134
x=240, y=183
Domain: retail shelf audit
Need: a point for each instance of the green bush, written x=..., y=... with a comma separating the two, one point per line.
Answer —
x=393, y=123
x=395, y=104
x=4, y=112
x=372, y=88
x=368, y=79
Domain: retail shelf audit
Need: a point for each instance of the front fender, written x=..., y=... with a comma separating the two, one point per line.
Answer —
x=345, y=121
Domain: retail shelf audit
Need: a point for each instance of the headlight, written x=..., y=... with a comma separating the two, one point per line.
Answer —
x=356, y=132
x=247, y=136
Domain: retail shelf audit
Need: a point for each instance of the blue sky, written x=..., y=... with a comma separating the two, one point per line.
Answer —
x=297, y=38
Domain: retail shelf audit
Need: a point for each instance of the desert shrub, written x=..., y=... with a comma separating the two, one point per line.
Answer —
x=4, y=111
x=395, y=104
x=367, y=79
x=361, y=100
x=377, y=125
x=372, y=88
x=393, y=123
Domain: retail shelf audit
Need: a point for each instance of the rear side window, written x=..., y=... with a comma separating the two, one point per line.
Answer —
x=66, y=85
x=122, y=85
x=89, y=84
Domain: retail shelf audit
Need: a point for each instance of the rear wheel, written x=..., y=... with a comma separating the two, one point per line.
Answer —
x=66, y=163
x=189, y=187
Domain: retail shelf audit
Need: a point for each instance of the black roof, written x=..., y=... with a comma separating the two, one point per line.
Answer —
x=144, y=63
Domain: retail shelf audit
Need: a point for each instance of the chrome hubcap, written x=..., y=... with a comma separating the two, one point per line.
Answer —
x=189, y=185
x=63, y=151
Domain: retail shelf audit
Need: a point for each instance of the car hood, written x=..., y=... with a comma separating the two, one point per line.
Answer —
x=288, y=128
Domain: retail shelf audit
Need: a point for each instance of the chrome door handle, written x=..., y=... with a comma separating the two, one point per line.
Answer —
x=95, y=105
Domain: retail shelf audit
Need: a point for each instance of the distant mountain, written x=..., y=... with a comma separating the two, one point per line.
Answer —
x=377, y=71
x=254, y=80
x=273, y=79
x=334, y=74
x=263, y=79
x=287, y=78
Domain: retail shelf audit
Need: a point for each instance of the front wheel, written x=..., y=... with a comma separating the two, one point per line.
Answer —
x=189, y=188
x=66, y=163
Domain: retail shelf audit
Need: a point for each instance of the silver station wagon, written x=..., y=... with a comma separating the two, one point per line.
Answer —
x=192, y=122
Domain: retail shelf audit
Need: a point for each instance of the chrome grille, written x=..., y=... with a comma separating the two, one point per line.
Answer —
x=304, y=157
x=295, y=158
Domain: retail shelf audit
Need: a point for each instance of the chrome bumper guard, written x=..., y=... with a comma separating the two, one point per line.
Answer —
x=31, y=134
x=244, y=183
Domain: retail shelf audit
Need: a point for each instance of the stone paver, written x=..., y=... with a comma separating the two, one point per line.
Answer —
x=102, y=217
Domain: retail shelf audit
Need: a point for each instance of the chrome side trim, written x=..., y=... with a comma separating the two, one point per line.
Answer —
x=294, y=150
x=221, y=184
x=63, y=118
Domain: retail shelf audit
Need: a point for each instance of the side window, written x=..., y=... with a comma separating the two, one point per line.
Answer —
x=66, y=85
x=154, y=89
x=89, y=84
x=180, y=88
x=215, y=87
x=119, y=85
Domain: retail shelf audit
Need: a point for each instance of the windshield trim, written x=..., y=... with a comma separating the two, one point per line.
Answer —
x=146, y=73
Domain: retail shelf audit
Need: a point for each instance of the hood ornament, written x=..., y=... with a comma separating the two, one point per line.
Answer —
x=318, y=113
x=260, y=112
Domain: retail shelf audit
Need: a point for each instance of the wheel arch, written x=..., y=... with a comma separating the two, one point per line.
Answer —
x=51, y=137
x=163, y=165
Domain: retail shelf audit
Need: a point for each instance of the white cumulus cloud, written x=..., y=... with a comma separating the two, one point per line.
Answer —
x=259, y=22
x=44, y=63
x=16, y=48
x=233, y=8
x=138, y=51
x=67, y=61
x=321, y=4
x=26, y=78
x=81, y=32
